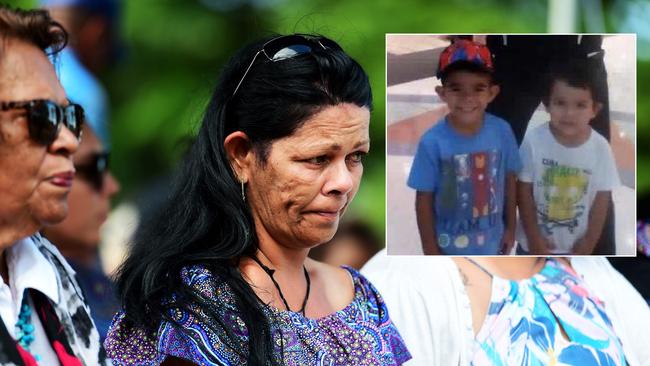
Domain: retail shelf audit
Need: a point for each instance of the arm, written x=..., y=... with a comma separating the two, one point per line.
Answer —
x=510, y=213
x=426, y=222
x=537, y=244
x=597, y=216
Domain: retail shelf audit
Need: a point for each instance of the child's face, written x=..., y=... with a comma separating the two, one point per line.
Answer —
x=467, y=95
x=571, y=109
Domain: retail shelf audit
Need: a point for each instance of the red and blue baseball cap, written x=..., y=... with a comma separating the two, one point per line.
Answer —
x=465, y=50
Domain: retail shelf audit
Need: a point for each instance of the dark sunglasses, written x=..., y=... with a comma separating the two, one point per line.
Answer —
x=45, y=118
x=285, y=47
x=95, y=170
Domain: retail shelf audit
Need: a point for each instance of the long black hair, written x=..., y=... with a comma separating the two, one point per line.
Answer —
x=205, y=221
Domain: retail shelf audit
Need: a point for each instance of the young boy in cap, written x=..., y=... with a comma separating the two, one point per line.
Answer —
x=465, y=167
x=569, y=170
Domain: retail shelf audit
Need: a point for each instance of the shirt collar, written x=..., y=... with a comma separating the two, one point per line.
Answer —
x=29, y=269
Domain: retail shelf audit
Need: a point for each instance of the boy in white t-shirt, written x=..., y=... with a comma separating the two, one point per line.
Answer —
x=568, y=171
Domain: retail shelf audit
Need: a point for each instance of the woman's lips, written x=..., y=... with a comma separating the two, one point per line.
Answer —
x=327, y=215
x=64, y=179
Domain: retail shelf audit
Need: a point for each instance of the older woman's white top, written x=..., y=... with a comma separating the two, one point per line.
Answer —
x=431, y=309
x=35, y=264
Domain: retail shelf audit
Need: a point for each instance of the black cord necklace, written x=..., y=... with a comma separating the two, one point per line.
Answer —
x=270, y=272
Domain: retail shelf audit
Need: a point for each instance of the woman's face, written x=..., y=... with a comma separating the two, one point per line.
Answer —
x=309, y=178
x=34, y=179
x=89, y=205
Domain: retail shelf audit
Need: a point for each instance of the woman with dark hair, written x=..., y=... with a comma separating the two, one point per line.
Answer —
x=43, y=315
x=220, y=275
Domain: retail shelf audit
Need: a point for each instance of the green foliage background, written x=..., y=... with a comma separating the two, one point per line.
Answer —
x=175, y=48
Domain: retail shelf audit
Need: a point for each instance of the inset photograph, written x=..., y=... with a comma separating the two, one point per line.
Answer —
x=511, y=144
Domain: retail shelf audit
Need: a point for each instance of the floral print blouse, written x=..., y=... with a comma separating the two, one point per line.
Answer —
x=548, y=319
x=360, y=334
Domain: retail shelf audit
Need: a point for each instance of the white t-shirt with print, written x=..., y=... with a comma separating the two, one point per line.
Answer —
x=565, y=182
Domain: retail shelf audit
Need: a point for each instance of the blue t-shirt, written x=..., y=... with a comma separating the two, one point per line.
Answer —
x=467, y=177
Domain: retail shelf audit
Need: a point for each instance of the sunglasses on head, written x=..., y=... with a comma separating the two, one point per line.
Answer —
x=45, y=117
x=285, y=47
x=94, y=171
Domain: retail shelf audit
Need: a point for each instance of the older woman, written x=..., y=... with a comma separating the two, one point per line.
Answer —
x=221, y=276
x=43, y=315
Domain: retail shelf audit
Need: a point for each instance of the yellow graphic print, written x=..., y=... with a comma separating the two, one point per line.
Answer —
x=564, y=188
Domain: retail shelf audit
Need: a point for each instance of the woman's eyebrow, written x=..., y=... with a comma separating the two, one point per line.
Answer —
x=335, y=146
x=362, y=143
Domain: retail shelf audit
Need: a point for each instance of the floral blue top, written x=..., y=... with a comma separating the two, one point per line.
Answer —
x=360, y=334
x=525, y=320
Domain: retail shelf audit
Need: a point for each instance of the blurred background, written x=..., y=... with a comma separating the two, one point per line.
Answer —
x=166, y=56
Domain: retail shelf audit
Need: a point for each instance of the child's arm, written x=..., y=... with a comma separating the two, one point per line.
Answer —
x=511, y=214
x=597, y=216
x=537, y=243
x=426, y=222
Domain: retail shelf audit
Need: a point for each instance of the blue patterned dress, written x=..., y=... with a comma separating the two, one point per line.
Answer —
x=360, y=334
x=643, y=237
x=525, y=319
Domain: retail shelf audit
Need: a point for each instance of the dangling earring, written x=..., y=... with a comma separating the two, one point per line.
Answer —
x=243, y=192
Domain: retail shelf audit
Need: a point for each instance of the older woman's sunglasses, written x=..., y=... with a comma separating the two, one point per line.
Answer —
x=45, y=117
x=285, y=47
x=94, y=170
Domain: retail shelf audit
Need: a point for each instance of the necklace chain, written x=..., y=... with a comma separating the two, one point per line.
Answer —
x=534, y=269
x=270, y=273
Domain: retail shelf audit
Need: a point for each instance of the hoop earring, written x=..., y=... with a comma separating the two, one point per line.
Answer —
x=243, y=192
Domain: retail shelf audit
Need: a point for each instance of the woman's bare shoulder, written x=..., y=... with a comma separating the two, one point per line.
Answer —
x=332, y=274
